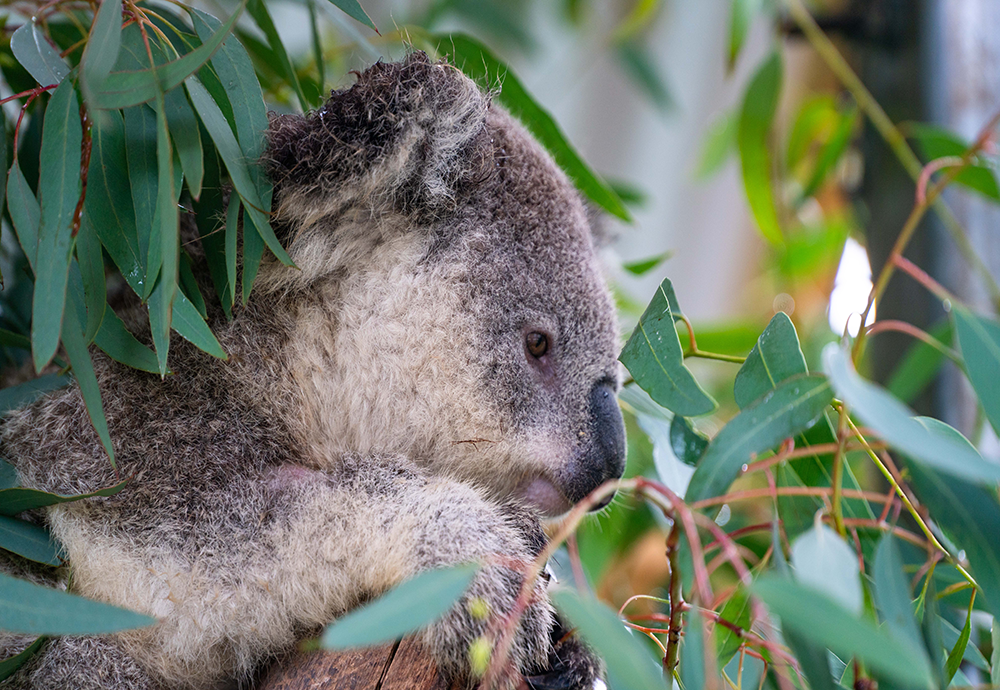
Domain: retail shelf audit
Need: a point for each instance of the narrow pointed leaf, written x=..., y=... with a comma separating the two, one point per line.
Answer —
x=186, y=136
x=958, y=651
x=979, y=340
x=756, y=117
x=896, y=423
x=404, y=609
x=91, y=260
x=129, y=88
x=630, y=667
x=817, y=618
x=11, y=664
x=232, y=228
x=317, y=47
x=24, y=213
x=189, y=284
x=824, y=561
x=353, y=9
x=18, y=500
x=210, y=218
x=473, y=58
x=20, y=395
x=791, y=408
x=35, y=610
x=59, y=191
x=29, y=540
x=253, y=252
x=258, y=10
x=189, y=324
x=167, y=234
x=140, y=147
x=654, y=358
x=692, y=661
x=120, y=345
x=102, y=48
x=892, y=593
x=776, y=357
x=36, y=55
x=741, y=16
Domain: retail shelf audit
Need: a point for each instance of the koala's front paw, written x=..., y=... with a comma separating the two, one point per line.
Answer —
x=571, y=664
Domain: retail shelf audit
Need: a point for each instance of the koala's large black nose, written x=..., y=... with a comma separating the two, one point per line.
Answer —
x=603, y=455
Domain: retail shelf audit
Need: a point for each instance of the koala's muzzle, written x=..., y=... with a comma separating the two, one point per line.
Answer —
x=603, y=455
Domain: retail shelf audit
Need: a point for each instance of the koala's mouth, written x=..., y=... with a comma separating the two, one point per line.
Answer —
x=543, y=495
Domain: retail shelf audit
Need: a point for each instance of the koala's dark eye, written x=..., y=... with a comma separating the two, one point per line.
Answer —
x=537, y=344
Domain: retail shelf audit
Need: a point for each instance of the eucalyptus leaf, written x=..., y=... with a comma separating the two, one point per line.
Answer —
x=776, y=356
x=31, y=609
x=33, y=51
x=101, y=51
x=892, y=593
x=824, y=561
x=189, y=324
x=979, y=340
x=186, y=137
x=258, y=10
x=18, y=499
x=692, y=655
x=29, y=541
x=791, y=408
x=756, y=118
x=20, y=395
x=120, y=345
x=935, y=142
x=741, y=16
x=58, y=191
x=958, y=650
x=687, y=443
x=11, y=664
x=90, y=258
x=654, y=358
x=404, y=609
x=24, y=213
x=353, y=9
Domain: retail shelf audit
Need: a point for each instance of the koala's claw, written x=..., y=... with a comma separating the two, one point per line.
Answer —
x=572, y=665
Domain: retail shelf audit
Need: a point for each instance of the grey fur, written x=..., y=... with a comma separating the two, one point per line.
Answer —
x=378, y=414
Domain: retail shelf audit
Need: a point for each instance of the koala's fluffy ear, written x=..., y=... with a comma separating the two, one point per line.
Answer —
x=407, y=136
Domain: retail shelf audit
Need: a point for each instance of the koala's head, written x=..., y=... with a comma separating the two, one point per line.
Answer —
x=449, y=303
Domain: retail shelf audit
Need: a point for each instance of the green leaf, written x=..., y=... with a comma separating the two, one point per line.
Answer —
x=654, y=358
x=140, y=147
x=232, y=227
x=231, y=155
x=473, y=58
x=186, y=136
x=629, y=666
x=17, y=500
x=189, y=324
x=353, y=9
x=919, y=365
x=892, y=593
x=102, y=48
x=91, y=260
x=824, y=561
x=816, y=617
x=958, y=651
x=979, y=340
x=11, y=664
x=995, y=655
x=644, y=266
x=253, y=252
x=404, y=609
x=970, y=516
x=190, y=285
x=167, y=234
x=741, y=16
x=935, y=142
x=35, y=610
x=29, y=540
x=950, y=636
x=692, y=661
x=719, y=144
x=8, y=475
x=644, y=72
x=895, y=423
x=24, y=213
x=36, y=55
x=814, y=661
x=58, y=191
x=258, y=10
x=776, y=357
x=317, y=46
x=20, y=395
x=832, y=151
x=129, y=88
x=736, y=610
x=120, y=345
x=210, y=218
x=687, y=443
x=756, y=117
x=793, y=406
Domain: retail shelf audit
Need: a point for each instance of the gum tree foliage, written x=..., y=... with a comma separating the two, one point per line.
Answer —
x=858, y=540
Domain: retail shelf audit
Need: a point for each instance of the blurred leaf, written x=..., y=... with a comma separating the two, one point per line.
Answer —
x=353, y=9
x=36, y=55
x=642, y=70
x=756, y=118
x=258, y=10
x=815, y=121
x=189, y=324
x=91, y=260
x=29, y=540
x=405, y=608
x=995, y=655
x=8, y=475
x=11, y=339
x=35, y=610
x=814, y=660
x=120, y=345
x=895, y=423
x=639, y=17
x=58, y=191
x=832, y=151
x=629, y=665
x=630, y=194
x=129, y=88
x=687, y=443
x=736, y=610
x=958, y=650
x=231, y=155
x=654, y=358
x=741, y=16
x=83, y=371
x=644, y=266
x=17, y=500
x=816, y=617
x=11, y=664
x=776, y=357
x=972, y=655
x=970, y=516
x=935, y=142
x=919, y=365
x=979, y=339
x=186, y=137
x=692, y=661
x=824, y=562
x=793, y=406
x=24, y=213
x=892, y=593
x=102, y=48
x=720, y=143
x=479, y=63
x=17, y=396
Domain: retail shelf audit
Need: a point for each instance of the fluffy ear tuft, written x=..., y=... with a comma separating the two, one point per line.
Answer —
x=409, y=135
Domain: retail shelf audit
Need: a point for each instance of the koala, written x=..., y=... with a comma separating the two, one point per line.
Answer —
x=436, y=376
